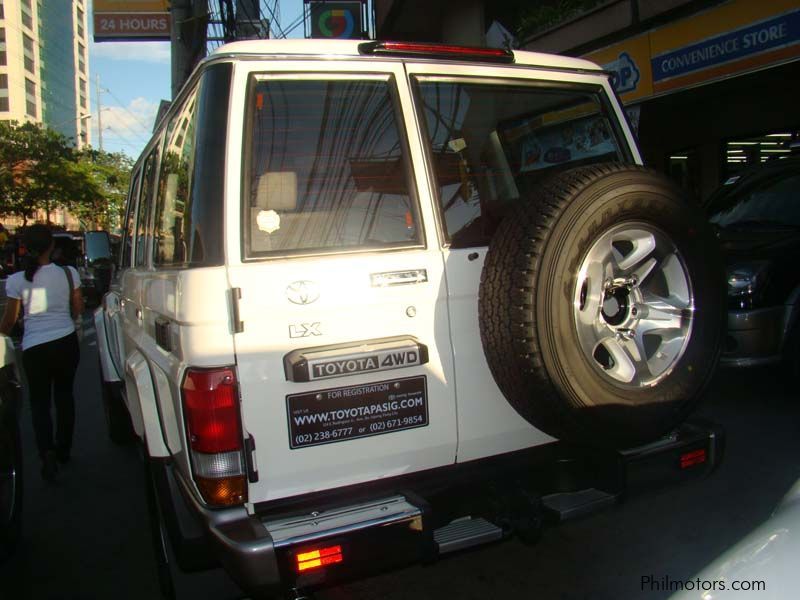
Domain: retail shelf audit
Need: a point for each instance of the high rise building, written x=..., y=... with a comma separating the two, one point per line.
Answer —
x=44, y=66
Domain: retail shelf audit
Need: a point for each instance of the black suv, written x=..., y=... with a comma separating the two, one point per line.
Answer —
x=757, y=218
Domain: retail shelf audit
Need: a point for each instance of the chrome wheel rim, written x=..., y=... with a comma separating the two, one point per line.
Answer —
x=633, y=305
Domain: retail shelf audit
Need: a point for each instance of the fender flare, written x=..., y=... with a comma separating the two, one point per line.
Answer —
x=108, y=371
x=141, y=401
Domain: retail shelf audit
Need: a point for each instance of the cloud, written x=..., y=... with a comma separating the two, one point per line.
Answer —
x=154, y=52
x=129, y=127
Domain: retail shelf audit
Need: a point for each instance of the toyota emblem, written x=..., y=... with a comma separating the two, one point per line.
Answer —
x=302, y=292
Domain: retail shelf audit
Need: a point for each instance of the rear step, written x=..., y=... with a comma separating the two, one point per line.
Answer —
x=572, y=505
x=465, y=533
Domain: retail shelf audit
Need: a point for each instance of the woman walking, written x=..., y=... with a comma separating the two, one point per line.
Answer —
x=51, y=298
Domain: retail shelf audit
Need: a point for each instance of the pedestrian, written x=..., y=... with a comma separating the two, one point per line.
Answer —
x=51, y=298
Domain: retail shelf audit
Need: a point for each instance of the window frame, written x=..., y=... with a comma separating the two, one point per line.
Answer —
x=414, y=79
x=390, y=79
x=192, y=96
x=130, y=216
x=146, y=201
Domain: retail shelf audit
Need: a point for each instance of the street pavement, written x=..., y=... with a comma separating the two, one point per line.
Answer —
x=87, y=536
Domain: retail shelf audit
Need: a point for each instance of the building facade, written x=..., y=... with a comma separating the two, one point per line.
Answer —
x=44, y=65
x=711, y=86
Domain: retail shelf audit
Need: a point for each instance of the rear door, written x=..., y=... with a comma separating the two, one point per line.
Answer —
x=343, y=337
x=492, y=135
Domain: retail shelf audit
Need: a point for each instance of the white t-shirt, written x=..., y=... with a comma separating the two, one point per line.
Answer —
x=45, y=301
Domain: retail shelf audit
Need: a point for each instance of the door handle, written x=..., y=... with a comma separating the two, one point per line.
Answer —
x=392, y=278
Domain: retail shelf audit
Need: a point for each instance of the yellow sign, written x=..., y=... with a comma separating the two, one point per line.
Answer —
x=129, y=6
x=629, y=65
x=732, y=38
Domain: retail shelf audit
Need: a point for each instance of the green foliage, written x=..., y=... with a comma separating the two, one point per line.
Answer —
x=40, y=170
x=539, y=17
x=110, y=173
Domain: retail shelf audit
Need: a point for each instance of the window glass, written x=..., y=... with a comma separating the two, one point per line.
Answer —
x=127, y=245
x=327, y=168
x=772, y=202
x=143, y=214
x=173, y=222
x=492, y=143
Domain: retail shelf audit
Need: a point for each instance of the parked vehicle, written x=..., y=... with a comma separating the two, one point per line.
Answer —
x=90, y=253
x=761, y=565
x=10, y=451
x=378, y=302
x=757, y=218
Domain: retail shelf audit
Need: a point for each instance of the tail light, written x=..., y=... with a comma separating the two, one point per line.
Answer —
x=214, y=431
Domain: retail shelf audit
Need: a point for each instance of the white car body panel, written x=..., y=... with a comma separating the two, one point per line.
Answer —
x=768, y=555
x=468, y=418
x=349, y=309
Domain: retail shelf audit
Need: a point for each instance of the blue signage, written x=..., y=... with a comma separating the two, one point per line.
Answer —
x=624, y=73
x=771, y=34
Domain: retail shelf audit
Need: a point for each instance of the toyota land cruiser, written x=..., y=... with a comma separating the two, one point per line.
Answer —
x=357, y=277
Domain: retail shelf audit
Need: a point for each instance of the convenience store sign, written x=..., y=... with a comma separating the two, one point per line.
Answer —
x=730, y=39
x=781, y=32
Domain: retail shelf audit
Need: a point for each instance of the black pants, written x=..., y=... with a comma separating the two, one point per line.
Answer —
x=52, y=365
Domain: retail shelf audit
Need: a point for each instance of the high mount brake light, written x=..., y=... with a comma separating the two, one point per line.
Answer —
x=441, y=51
x=214, y=432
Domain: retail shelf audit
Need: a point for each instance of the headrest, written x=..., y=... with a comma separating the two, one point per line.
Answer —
x=277, y=190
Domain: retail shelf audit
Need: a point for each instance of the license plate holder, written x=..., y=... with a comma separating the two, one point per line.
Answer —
x=356, y=411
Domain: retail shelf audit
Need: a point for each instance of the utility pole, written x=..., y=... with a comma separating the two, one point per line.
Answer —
x=188, y=38
x=99, y=113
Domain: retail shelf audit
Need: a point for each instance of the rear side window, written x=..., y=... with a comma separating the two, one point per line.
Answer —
x=145, y=202
x=173, y=222
x=327, y=167
x=127, y=241
x=491, y=144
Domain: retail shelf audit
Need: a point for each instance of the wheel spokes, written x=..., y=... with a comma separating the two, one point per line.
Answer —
x=634, y=304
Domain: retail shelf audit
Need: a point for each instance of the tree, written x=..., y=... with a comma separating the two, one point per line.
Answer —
x=39, y=170
x=110, y=174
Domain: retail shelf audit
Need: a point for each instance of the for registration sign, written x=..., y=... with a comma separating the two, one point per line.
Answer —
x=346, y=413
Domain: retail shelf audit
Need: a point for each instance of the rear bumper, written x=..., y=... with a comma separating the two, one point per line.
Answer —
x=261, y=553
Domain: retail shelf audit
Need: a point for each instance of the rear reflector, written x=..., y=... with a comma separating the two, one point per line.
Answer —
x=322, y=557
x=441, y=51
x=695, y=457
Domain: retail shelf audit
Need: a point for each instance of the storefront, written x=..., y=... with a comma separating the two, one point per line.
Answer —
x=713, y=93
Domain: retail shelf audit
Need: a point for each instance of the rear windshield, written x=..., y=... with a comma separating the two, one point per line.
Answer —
x=327, y=167
x=492, y=144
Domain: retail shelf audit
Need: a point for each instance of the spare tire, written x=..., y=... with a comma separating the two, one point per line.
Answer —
x=602, y=306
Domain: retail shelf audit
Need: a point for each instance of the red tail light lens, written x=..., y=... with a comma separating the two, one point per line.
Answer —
x=211, y=410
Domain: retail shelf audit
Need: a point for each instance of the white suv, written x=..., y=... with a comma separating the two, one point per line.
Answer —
x=356, y=274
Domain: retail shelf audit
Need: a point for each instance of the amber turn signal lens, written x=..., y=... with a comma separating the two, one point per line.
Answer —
x=226, y=491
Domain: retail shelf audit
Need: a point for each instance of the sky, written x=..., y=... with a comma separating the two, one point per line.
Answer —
x=134, y=78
